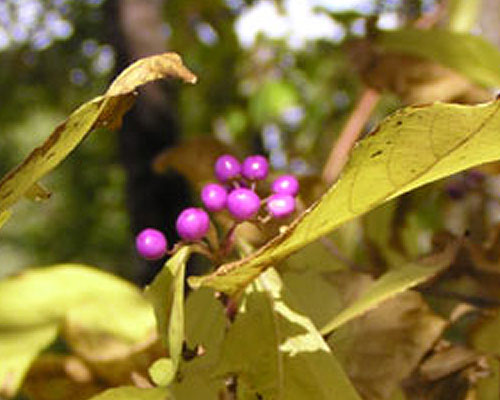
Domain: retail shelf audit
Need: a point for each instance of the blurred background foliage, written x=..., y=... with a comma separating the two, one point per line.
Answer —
x=275, y=77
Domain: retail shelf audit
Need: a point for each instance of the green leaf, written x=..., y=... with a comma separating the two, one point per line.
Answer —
x=18, y=349
x=411, y=148
x=205, y=329
x=277, y=352
x=134, y=393
x=271, y=100
x=166, y=293
x=469, y=55
x=103, y=111
x=392, y=283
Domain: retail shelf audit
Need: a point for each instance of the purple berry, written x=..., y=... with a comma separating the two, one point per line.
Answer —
x=227, y=167
x=243, y=203
x=281, y=205
x=151, y=244
x=214, y=196
x=255, y=168
x=286, y=184
x=192, y=224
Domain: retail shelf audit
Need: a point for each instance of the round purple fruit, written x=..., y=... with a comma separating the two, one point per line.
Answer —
x=214, y=197
x=281, y=205
x=286, y=184
x=243, y=204
x=192, y=224
x=227, y=167
x=151, y=244
x=255, y=168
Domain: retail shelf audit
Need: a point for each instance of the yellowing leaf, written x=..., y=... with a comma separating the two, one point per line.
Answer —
x=18, y=349
x=103, y=111
x=35, y=304
x=384, y=346
x=470, y=55
x=166, y=293
x=47, y=295
x=134, y=393
x=277, y=352
x=61, y=377
x=393, y=282
x=412, y=147
x=206, y=324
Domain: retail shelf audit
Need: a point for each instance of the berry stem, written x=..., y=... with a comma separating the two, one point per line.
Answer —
x=228, y=242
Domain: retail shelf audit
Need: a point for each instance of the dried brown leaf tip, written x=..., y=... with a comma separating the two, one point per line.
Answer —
x=166, y=65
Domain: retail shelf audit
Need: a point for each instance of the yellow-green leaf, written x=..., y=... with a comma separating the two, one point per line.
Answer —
x=134, y=393
x=411, y=148
x=393, y=282
x=35, y=304
x=47, y=295
x=470, y=55
x=103, y=111
x=166, y=293
x=277, y=352
x=18, y=349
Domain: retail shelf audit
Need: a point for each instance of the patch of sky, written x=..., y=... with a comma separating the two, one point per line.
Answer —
x=206, y=34
x=104, y=60
x=299, y=23
x=4, y=39
x=89, y=47
x=58, y=27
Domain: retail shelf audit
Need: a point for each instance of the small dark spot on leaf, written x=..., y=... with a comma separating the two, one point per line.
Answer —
x=50, y=155
x=399, y=123
x=388, y=142
x=374, y=132
x=376, y=154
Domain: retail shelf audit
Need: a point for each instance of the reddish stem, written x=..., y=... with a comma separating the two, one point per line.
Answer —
x=350, y=133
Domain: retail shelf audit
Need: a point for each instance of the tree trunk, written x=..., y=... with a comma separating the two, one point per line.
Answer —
x=135, y=31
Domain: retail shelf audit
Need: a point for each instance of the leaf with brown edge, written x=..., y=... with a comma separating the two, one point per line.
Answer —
x=103, y=111
x=381, y=348
x=410, y=148
x=392, y=283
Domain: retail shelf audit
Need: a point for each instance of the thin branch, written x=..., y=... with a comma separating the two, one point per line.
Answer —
x=350, y=133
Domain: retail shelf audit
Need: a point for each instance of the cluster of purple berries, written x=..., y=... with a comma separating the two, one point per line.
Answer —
x=235, y=192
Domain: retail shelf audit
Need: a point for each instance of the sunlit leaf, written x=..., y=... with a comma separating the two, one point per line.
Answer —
x=47, y=295
x=412, y=147
x=277, y=352
x=103, y=111
x=467, y=54
x=134, y=393
x=18, y=349
x=393, y=282
x=166, y=293
x=35, y=304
